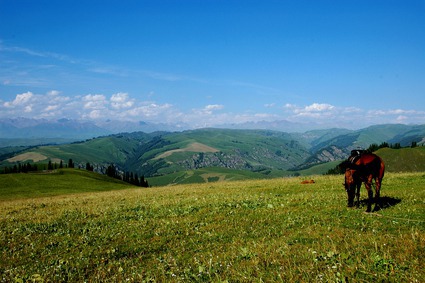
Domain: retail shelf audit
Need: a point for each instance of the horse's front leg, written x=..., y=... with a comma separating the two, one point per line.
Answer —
x=368, y=185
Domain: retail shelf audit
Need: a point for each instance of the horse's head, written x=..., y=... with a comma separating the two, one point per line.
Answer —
x=350, y=185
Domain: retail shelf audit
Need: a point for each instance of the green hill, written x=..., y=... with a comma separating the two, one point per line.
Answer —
x=404, y=159
x=58, y=182
x=232, y=149
x=185, y=156
x=211, y=174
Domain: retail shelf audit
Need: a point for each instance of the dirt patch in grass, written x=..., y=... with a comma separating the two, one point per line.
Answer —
x=212, y=177
x=34, y=156
x=193, y=147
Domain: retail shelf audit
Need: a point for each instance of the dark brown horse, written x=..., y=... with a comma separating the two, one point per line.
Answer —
x=365, y=167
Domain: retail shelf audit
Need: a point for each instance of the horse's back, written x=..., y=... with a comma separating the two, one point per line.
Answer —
x=367, y=158
x=374, y=163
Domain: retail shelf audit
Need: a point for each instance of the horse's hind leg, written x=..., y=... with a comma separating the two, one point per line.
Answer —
x=370, y=196
x=377, y=194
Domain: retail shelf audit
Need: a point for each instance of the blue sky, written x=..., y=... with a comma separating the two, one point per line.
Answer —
x=204, y=63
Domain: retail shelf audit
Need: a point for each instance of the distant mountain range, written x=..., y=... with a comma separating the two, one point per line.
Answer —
x=164, y=153
x=68, y=129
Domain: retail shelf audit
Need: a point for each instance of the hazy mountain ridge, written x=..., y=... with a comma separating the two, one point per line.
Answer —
x=24, y=128
x=73, y=130
x=13, y=128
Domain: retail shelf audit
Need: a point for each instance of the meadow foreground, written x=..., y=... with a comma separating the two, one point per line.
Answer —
x=246, y=231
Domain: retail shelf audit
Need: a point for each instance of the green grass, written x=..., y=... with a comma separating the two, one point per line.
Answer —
x=403, y=160
x=101, y=150
x=204, y=175
x=243, y=231
x=58, y=182
x=225, y=174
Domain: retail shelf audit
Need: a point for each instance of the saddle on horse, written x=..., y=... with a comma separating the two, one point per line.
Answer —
x=356, y=154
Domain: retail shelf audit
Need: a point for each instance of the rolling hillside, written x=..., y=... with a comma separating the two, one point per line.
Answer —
x=58, y=182
x=256, y=153
x=403, y=160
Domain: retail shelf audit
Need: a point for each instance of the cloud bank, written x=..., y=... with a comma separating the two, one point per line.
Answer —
x=122, y=107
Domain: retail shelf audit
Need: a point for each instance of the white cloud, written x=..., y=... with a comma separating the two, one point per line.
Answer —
x=28, y=109
x=313, y=110
x=149, y=110
x=209, y=109
x=21, y=99
x=319, y=107
x=214, y=107
x=94, y=114
x=121, y=100
x=270, y=105
x=51, y=108
x=352, y=117
x=96, y=101
x=53, y=93
x=290, y=106
x=401, y=118
x=121, y=106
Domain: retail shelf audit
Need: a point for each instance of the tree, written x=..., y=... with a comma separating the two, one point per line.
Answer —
x=143, y=182
x=397, y=146
x=131, y=180
x=383, y=145
x=70, y=163
x=136, y=180
x=110, y=171
x=373, y=147
x=89, y=167
x=126, y=177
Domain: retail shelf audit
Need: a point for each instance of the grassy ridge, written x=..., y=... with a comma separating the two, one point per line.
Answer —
x=58, y=182
x=403, y=160
x=205, y=175
x=215, y=174
x=259, y=230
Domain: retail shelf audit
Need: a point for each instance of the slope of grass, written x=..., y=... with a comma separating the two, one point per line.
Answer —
x=244, y=231
x=403, y=160
x=111, y=149
x=107, y=149
x=205, y=175
x=259, y=148
x=58, y=182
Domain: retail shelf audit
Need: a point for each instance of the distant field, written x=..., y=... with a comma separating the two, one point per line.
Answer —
x=57, y=182
x=193, y=147
x=28, y=156
x=274, y=230
x=204, y=175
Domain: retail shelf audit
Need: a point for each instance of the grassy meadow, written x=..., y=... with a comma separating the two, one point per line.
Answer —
x=274, y=230
x=54, y=183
